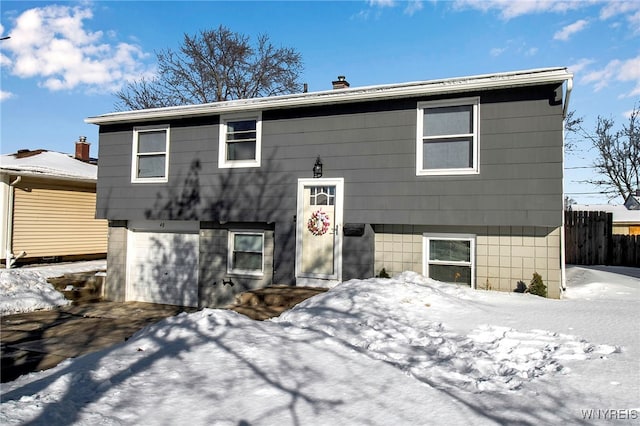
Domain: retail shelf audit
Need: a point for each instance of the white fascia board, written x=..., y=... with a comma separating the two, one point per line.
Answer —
x=46, y=175
x=431, y=87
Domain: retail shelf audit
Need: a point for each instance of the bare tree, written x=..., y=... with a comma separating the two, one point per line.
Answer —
x=572, y=127
x=215, y=65
x=618, y=155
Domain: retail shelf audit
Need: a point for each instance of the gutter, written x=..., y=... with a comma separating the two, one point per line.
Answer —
x=47, y=175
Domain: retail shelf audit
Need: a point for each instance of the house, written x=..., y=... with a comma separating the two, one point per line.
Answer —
x=626, y=220
x=48, y=202
x=632, y=202
x=459, y=179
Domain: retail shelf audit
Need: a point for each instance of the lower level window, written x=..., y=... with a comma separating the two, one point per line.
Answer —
x=450, y=258
x=246, y=253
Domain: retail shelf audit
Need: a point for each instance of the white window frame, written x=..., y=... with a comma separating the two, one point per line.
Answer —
x=230, y=248
x=135, y=154
x=427, y=237
x=475, y=135
x=223, y=163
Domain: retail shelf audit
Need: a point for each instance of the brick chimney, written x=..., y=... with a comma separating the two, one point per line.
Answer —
x=340, y=83
x=82, y=149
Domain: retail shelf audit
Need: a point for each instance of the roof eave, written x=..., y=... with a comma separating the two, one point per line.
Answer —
x=43, y=175
x=432, y=87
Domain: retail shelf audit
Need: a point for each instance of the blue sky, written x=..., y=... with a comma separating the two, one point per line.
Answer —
x=64, y=60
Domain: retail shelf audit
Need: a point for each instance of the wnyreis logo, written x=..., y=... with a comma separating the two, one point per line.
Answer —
x=610, y=414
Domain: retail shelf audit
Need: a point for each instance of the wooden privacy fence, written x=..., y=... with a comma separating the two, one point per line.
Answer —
x=626, y=250
x=589, y=241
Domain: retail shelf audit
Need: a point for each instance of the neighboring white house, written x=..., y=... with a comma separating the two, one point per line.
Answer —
x=47, y=206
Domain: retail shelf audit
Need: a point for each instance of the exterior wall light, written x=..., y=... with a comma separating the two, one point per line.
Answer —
x=317, y=168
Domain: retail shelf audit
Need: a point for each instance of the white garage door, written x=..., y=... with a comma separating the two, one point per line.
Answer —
x=163, y=268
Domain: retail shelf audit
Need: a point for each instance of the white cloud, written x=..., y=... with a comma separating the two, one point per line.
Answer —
x=580, y=65
x=509, y=9
x=382, y=3
x=413, y=6
x=4, y=61
x=634, y=22
x=570, y=30
x=51, y=44
x=5, y=95
x=614, y=8
x=601, y=78
x=630, y=71
x=516, y=46
x=617, y=70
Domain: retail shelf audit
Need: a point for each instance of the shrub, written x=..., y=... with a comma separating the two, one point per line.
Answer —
x=537, y=287
x=383, y=274
x=521, y=287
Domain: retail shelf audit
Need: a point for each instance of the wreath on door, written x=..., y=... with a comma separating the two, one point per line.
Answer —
x=318, y=223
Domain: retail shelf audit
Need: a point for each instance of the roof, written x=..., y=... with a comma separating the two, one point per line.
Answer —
x=620, y=212
x=50, y=164
x=430, y=87
x=632, y=202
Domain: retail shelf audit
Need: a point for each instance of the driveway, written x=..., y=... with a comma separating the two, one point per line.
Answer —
x=40, y=340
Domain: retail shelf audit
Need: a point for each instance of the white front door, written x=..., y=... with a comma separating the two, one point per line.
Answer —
x=319, y=231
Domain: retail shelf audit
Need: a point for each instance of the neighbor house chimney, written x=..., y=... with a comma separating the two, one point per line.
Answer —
x=340, y=83
x=82, y=149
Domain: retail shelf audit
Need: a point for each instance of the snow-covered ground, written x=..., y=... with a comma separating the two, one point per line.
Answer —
x=401, y=351
x=26, y=289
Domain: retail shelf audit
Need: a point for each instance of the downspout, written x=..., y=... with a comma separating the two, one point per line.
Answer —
x=567, y=97
x=563, y=269
x=10, y=259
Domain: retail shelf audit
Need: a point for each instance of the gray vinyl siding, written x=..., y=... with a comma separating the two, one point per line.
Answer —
x=373, y=147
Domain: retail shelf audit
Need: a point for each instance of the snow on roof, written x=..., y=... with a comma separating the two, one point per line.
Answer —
x=620, y=213
x=48, y=164
x=354, y=94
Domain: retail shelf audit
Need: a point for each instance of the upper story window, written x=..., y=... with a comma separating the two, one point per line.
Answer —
x=150, y=162
x=448, y=137
x=240, y=141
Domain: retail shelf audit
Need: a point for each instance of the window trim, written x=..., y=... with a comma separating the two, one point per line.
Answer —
x=428, y=236
x=475, y=136
x=223, y=163
x=230, y=251
x=135, y=154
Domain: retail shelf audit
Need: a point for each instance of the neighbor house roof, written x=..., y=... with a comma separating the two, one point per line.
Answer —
x=42, y=163
x=620, y=213
x=430, y=87
x=632, y=202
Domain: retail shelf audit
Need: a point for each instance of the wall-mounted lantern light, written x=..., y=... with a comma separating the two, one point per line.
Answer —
x=317, y=168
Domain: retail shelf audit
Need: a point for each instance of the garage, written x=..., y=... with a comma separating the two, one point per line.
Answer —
x=163, y=266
